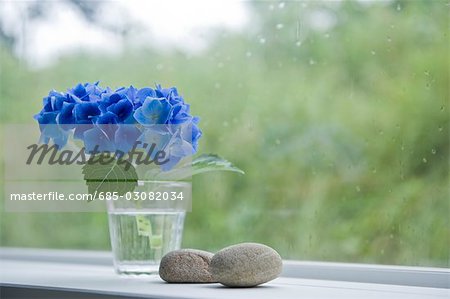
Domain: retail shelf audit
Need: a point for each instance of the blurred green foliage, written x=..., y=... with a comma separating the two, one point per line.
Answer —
x=343, y=133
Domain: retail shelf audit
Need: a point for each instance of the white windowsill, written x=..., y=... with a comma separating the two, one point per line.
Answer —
x=26, y=273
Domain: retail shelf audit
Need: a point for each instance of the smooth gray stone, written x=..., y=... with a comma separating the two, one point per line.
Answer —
x=245, y=265
x=186, y=265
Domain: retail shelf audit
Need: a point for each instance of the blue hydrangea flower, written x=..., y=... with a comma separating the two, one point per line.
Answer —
x=153, y=111
x=79, y=105
x=55, y=105
x=120, y=103
x=87, y=92
x=115, y=120
x=166, y=106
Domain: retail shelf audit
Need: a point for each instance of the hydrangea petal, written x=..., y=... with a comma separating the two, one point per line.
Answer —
x=65, y=117
x=107, y=118
x=153, y=111
x=78, y=133
x=144, y=93
x=125, y=137
x=181, y=148
x=139, y=116
x=158, y=138
x=123, y=109
x=54, y=133
x=85, y=111
x=173, y=161
x=79, y=91
x=97, y=139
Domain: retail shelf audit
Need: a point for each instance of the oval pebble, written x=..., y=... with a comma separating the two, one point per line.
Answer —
x=186, y=266
x=245, y=265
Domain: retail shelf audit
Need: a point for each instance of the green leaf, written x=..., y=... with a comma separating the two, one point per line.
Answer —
x=211, y=162
x=201, y=164
x=120, y=177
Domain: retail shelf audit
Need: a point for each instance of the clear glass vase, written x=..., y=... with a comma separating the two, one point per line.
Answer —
x=146, y=224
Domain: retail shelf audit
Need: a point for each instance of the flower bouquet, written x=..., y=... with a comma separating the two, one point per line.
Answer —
x=135, y=147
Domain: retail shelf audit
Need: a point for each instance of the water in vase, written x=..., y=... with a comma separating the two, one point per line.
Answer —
x=140, y=238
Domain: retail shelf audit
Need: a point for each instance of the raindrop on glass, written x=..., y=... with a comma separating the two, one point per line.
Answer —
x=298, y=43
x=248, y=54
x=279, y=26
x=262, y=40
x=220, y=65
x=281, y=5
x=389, y=39
x=433, y=151
x=424, y=160
x=372, y=52
x=399, y=7
x=312, y=61
x=440, y=129
x=217, y=85
x=277, y=142
x=159, y=66
x=358, y=189
x=225, y=124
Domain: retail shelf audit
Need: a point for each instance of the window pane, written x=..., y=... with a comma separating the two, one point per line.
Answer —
x=337, y=111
